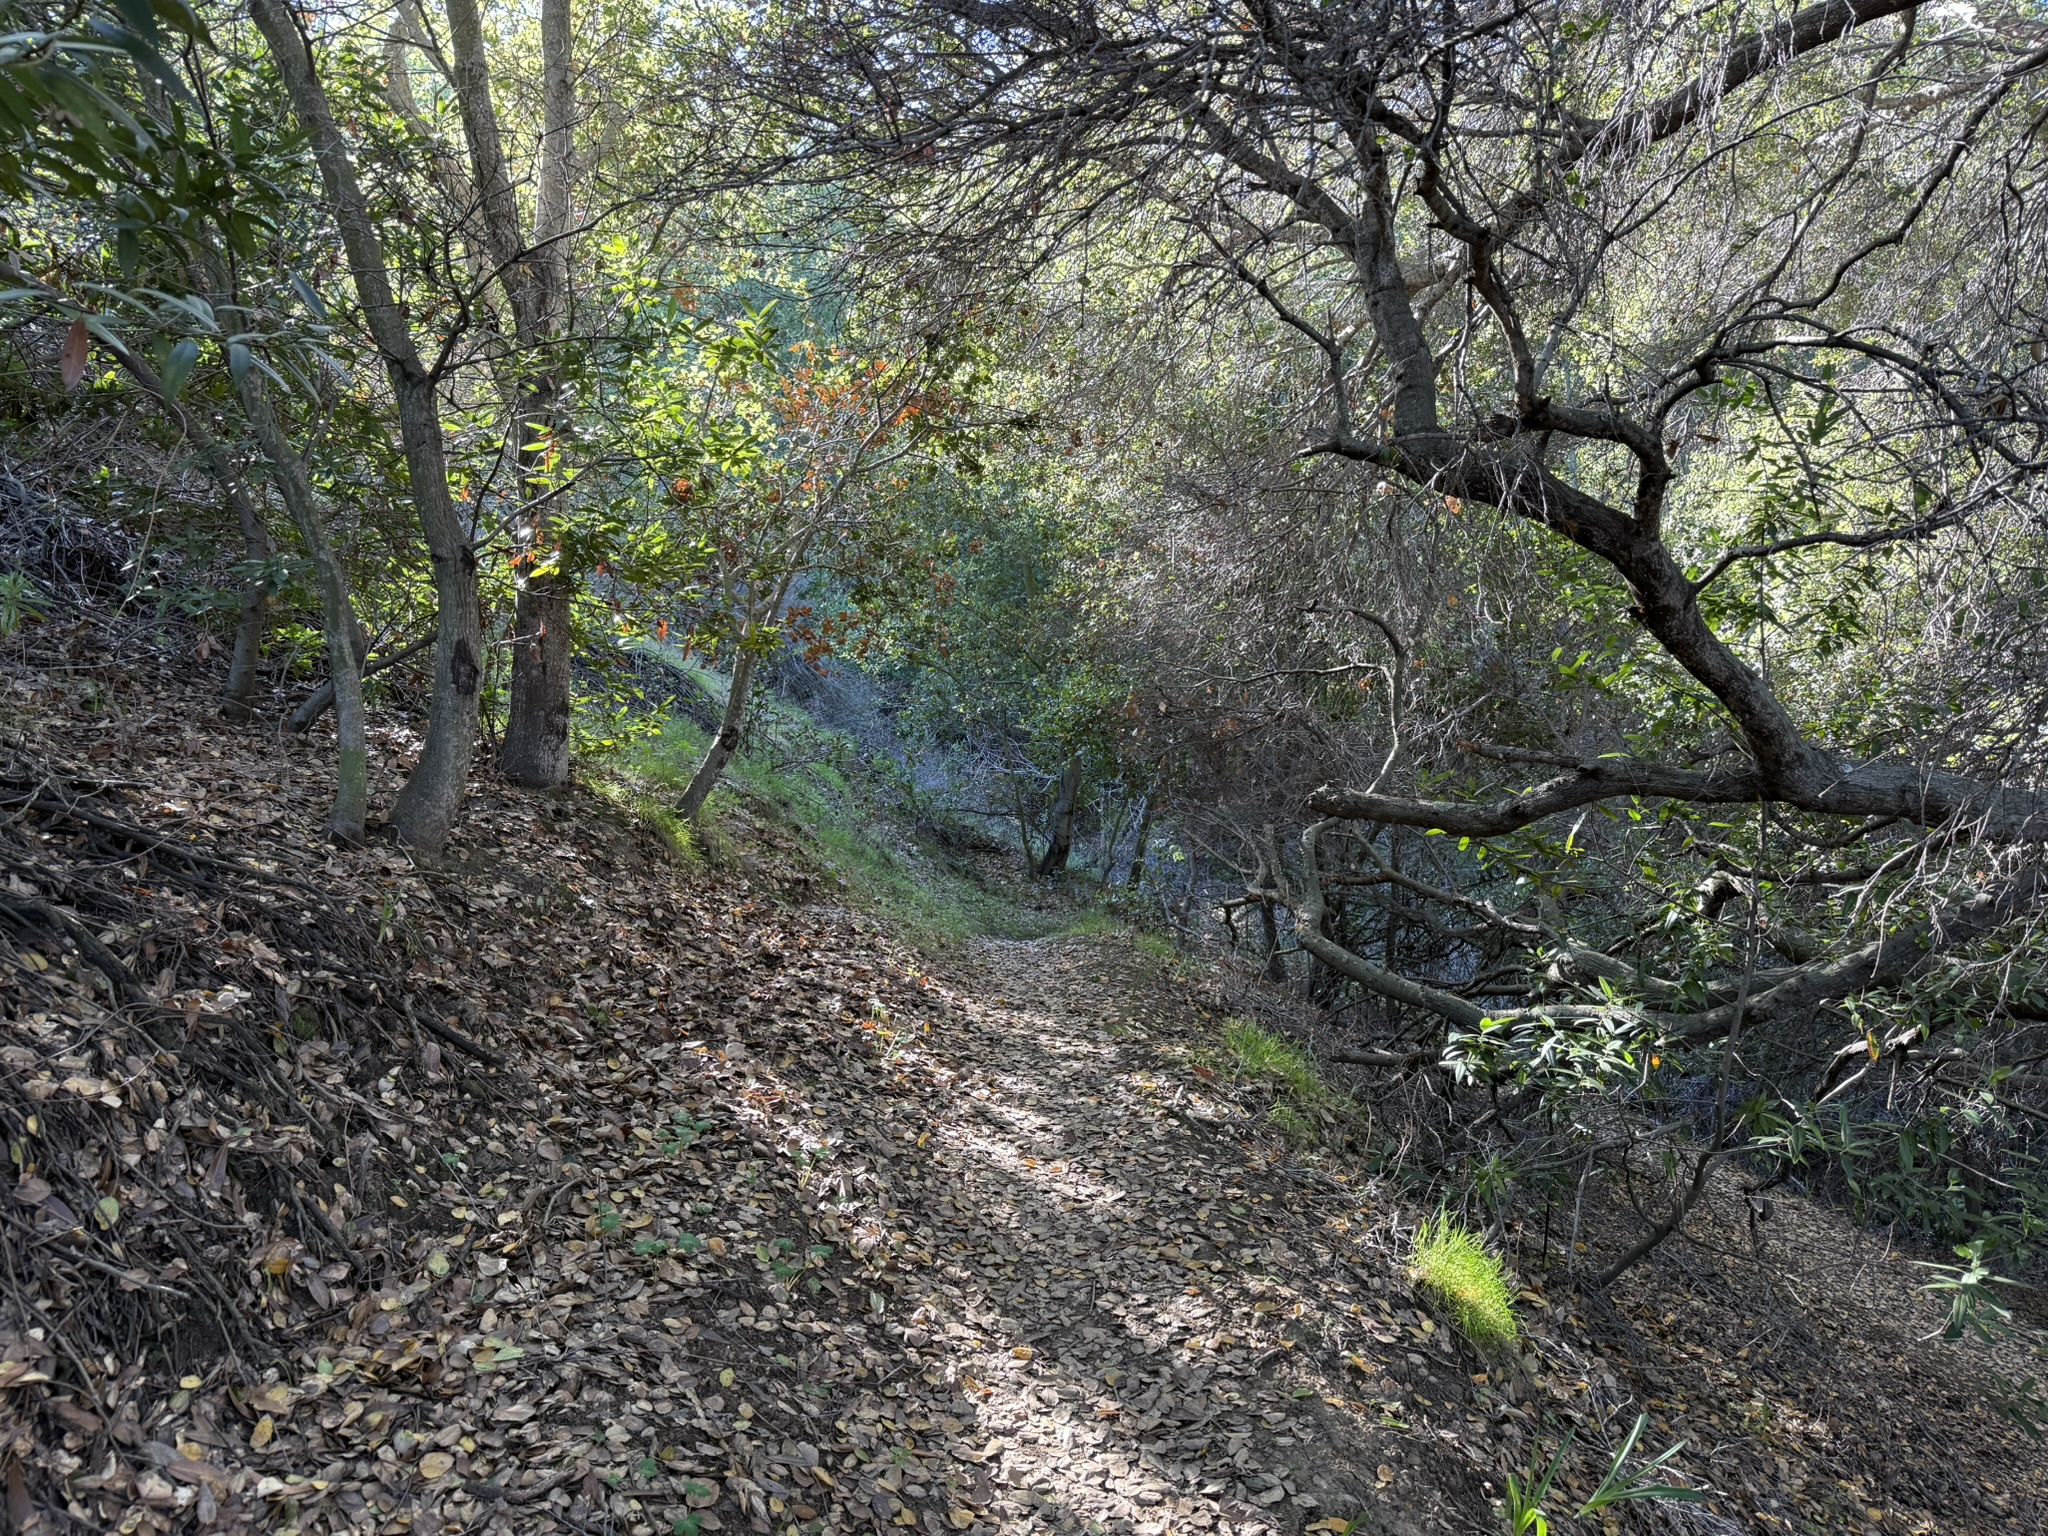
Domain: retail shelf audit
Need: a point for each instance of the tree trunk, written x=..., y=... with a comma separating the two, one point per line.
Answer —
x=727, y=741
x=535, y=279
x=255, y=615
x=426, y=807
x=1062, y=843
x=1137, y=872
x=536, y=750
x=1023, y=822
x=337, y=612
x=1111, y=838
x=1274, y=969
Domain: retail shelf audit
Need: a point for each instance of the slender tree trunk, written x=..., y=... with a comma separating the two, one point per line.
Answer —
x=1062, y=843
x=427, y=806
x=731, y=723
x=254, y=617
x=1137, y=871
x=1023, y=822
x=337, y=612
x=1111, y=838
x=1274, y=970
x=535, y=279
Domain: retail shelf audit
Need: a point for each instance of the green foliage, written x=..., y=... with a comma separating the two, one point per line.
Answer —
x=18, y=596
x=1974, y=1312
x=1454, y=1266
x=1972, y=1306
x=1303, y=1103
x=1557, y=1057
x=884, y=865
x=1157, y=945
x=1953, y=1173
x=682, y=1132
x=676, y=834
x=1261, y=1053
x=1523, y=1507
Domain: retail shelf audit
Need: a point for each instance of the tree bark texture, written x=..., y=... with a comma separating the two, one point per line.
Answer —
x=535, y=279
x=427, y=806
x=731, y=724
x=1137, y=870
x=1061, y=845
x=337, y=612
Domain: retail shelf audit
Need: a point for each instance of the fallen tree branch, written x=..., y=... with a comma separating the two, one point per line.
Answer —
x=321, y=699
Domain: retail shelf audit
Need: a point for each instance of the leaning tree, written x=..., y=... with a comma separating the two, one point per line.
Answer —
x=1741, y=310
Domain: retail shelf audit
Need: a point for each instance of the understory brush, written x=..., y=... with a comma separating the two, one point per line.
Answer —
x=809, y=779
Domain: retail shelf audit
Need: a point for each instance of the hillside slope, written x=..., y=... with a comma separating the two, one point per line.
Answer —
x=559, y=1187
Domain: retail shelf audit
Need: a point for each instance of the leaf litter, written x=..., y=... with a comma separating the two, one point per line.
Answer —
x=555, y=1188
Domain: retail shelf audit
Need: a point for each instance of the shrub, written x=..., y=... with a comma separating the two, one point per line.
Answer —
x=1453, y=1266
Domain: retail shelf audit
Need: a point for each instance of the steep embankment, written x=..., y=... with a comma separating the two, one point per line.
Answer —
x=747, y=1217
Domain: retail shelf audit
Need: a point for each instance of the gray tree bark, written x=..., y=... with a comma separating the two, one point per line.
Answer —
x=732, y=722
x=1062, y=841
x=254, y=617
x=1137, y=870
x=427, y=806
x=337, y=611
x=536, y=281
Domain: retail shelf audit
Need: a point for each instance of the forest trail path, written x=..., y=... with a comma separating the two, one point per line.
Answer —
x=1154, y=1309
x=768, y=1223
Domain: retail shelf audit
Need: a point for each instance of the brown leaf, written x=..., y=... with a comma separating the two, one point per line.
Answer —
x=19, y=1507
x=71, y=361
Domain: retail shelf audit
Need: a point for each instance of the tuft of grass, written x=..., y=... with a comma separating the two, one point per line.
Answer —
x=1261, y=1053
x=676, y=835
x=883, y=867
x=1452, y=1265
x=1158, y=946
x=1087, y=923
x=1306, y=1110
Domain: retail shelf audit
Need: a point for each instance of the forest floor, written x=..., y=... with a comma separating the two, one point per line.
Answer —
x=555, y=1186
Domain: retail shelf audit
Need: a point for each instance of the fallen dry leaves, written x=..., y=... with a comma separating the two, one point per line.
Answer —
x=745, y=1217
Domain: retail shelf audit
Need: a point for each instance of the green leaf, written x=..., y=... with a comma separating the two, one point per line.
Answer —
x=178, y=367
x=139, y=16
x=309, y=298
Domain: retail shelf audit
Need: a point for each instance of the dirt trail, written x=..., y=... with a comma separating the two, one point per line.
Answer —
x=762, y=1222
x=1154, y=1309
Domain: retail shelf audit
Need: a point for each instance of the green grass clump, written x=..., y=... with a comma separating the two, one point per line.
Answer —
x=1454, y=1267
x=1088, y=923
x=676, y=835
x=885, y=868
x=1261, y=1053
x=1306, y=1110
x=1158, y=946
